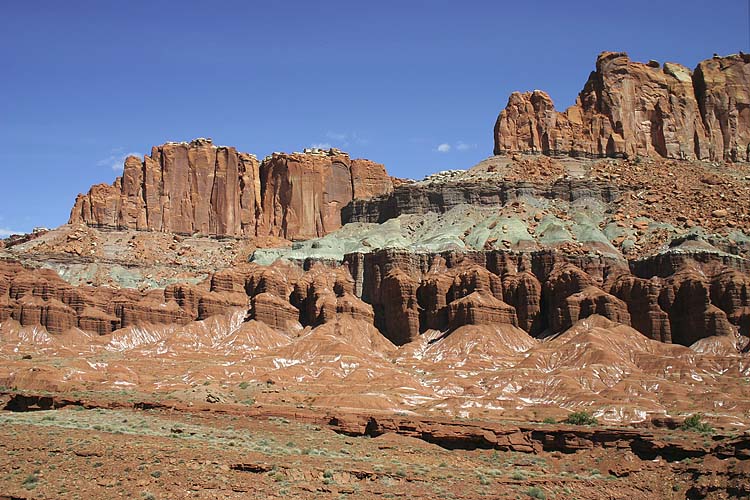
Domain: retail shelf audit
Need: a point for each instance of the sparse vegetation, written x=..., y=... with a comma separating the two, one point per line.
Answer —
x=30, y=481
x=694, y=423
x=581, y=418
x=518, y=476
x=535, y=492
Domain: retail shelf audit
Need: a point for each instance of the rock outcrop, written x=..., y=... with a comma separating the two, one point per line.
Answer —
x=41, y=297
x=303, y=193
x=184, y=188
x=405, y=293
x=200, y=188
x=412, y=198
x=629, y=109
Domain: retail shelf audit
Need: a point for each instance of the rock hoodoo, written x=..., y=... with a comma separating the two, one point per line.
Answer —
x=629, y=109
x=200, y=188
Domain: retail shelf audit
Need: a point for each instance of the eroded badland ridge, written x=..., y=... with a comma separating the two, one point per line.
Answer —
x=597, y=262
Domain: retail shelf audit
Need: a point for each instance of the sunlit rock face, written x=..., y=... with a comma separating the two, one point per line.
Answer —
x=629, y=109
x=201, y=188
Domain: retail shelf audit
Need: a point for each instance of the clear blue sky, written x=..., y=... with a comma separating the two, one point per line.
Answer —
x=84, y=83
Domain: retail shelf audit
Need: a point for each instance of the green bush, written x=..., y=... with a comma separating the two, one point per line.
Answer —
x=30, y=481
x=694, y=423
x=549, y=420
x=581, y=418
x=535, y=492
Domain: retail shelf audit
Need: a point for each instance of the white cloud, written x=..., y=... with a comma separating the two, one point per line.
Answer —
x=4, y=232
x=458, y=146
x=345, y=139
x=336, y=136
x=321, y=145
x=462, y=146
x=116, y=159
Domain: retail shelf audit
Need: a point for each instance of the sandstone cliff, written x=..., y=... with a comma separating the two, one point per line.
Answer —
x=200, y=188
x=629, y=109
x=303, y=193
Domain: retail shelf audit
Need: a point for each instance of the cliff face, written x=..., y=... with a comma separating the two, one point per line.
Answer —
x=628, y=109
x=303, y=194
x=199, y=188
x=180, y=188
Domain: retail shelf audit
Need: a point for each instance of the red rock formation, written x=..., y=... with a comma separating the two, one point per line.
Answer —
x=433, y=302
x=6, y=308
x=686, y=298
x=524, y=292
x=730, y=292
x=180, y=188
x=564, y=281
x=642, y=299
x=273, y=311
x=592, y=300
x=628, y=109
x=723, y=89
x=398, y=296
x=475, y=279
x=303, y=194
x=351, y=305
x=53, y=314
x=153, y=309
x=480, y=308
x=41, y=297
x=95, y=320
x=404, y=294
x=199, y=188
x=323, y=293
x=369, y=179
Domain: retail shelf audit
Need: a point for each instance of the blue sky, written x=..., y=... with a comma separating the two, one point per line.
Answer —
x=415, y=85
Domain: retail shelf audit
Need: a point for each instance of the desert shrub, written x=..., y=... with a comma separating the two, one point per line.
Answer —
x=535, y=492
x=581, y=418
x=694, y=423
x=549, y=420
x=30, y=481
x=518, y=476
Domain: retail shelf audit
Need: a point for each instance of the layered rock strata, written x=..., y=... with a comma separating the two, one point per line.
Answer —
x=406, y=293
x=629, y=109
x=200, y=188
x=545, y=293
x=411, y=198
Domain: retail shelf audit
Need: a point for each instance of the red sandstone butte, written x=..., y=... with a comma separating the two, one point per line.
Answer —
x=629, y=109
x=201, y=188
